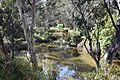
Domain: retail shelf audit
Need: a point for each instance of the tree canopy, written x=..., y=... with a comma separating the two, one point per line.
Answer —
x=94, y=24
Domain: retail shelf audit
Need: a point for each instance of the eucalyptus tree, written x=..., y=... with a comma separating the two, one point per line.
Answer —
x=58, y=12
x=92, y=14
x=115, y=45
x=91, y=21
x=65, y=12
x=52, y=13
x=27, y=15
x=68, y=15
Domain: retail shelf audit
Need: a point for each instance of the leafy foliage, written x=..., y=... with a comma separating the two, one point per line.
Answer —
x=75, y=37
x=53, y=16
x=19, y=69
x=107, y=33
x=59, y=27
x=10, y=24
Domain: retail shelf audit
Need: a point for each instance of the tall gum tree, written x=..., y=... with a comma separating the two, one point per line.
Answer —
x=88, y=10
x=115, y=45
x=28, y=28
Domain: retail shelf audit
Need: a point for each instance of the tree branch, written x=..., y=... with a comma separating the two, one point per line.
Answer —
x=108, y=10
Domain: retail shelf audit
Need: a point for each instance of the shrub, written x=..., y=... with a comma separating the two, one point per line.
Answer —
x=18, y=69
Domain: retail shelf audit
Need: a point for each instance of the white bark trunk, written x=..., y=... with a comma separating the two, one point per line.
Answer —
x=28, y=30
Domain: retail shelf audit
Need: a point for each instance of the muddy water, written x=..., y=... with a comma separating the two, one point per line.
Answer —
x=64, y=62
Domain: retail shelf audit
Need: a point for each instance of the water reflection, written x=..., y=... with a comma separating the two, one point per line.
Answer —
x=64, y=71
x=61, y=62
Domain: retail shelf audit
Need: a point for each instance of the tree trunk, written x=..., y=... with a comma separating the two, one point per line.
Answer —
x=89, y=48
x=115, y=45
x=113, y=49
x=28, y=30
